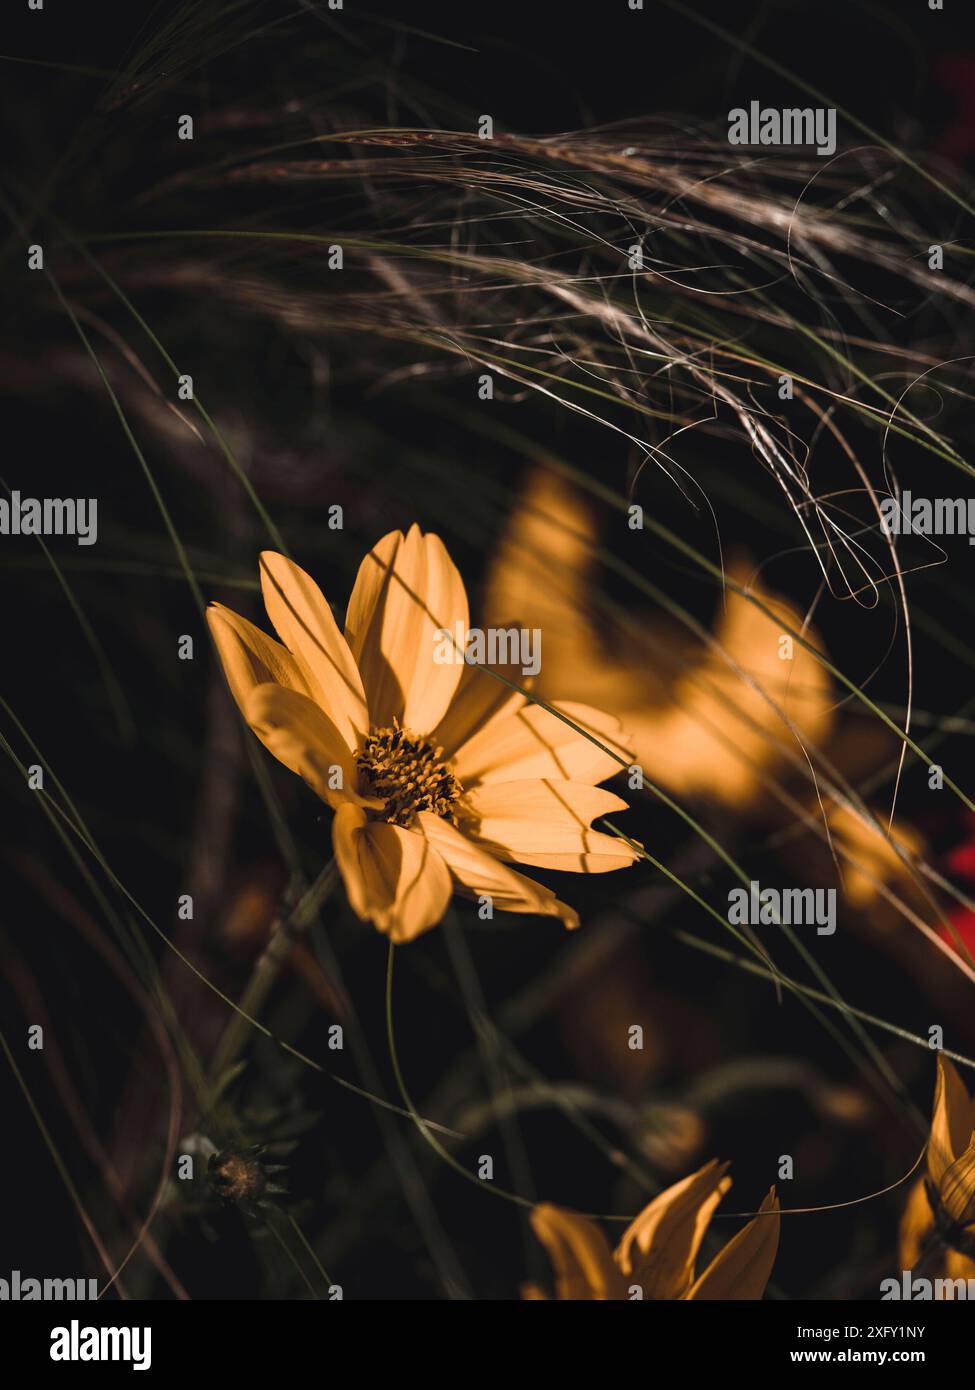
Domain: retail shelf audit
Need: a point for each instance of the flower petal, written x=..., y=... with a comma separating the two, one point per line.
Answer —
x=534, y=743
x=542, y=575
x=406, y=592
x=704, y=717
x=584, y=1268
x=394, y=878
x=249, y=657
x=546, y=823
x=917, y=1224
x=742, y=1269
x=952, y=1122
x=958, y=1266
x=304, y=622
x=301, y=735
x=916, y=1229
x=659, y=1248
x=478, y=874
x=479, y=699
x=956, y=1191
x=739, y=708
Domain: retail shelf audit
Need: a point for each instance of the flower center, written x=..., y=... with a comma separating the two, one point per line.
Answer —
x=236, y=1177
x=409, y=774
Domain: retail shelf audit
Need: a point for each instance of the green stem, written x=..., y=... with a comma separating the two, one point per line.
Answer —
x=267, y=968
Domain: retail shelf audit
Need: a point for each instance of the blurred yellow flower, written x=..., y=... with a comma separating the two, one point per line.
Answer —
x=941, y=1207
x=870, y=860
x=437, y=772
x=658, y=1252
x=715, y=716
x=705, y=719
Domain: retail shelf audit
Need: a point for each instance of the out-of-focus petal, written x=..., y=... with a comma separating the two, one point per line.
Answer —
x=916, y=1229
x=742, y=709
x=958, y=1266
x=542, y=576
x=916, y=1226
x=531, y=1293
x=874, y=860
x=697, y=714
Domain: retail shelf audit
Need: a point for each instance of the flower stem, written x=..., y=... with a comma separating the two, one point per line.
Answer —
x=267, y=967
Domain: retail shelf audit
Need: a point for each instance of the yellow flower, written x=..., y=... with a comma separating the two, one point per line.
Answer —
x=437, y=772
x=712, y=715
x=870, y=860
x=659, y=1249
x=942, y=1204
x=705, y=719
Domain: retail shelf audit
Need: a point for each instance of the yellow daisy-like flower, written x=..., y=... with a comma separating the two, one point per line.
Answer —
x=706, y=720
x=942, y=1204
x=438, y=773
x=658, y=1252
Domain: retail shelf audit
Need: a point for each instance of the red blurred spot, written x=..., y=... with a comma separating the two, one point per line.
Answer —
x=961, y=860
x=963, y=921
x=955, y=73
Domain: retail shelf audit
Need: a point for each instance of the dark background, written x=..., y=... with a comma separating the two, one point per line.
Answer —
x=906, y=71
